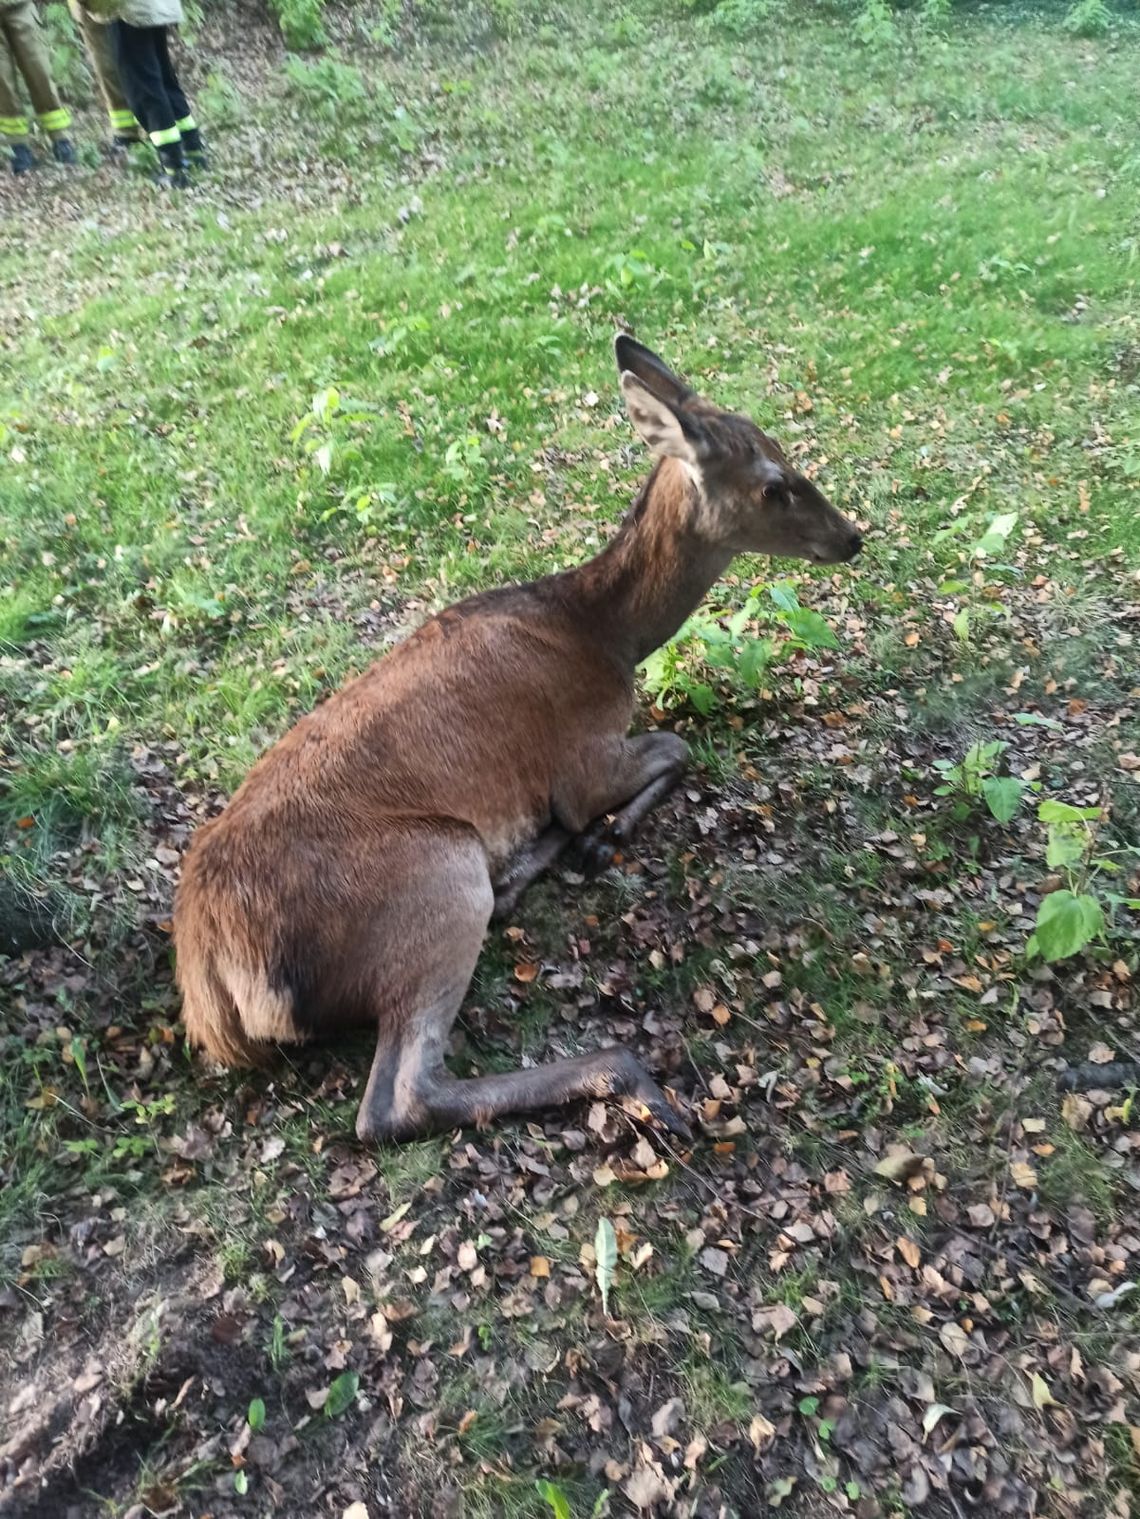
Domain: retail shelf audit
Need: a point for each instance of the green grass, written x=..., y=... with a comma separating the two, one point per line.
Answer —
x=245, y=442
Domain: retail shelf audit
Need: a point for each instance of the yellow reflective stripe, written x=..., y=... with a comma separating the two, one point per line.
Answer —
x=14, y=126
x=55, y=121
x=187, y=124
x=168, y=134
x=123, y=120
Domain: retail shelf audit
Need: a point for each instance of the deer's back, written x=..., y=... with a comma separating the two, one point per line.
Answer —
x=473, y=719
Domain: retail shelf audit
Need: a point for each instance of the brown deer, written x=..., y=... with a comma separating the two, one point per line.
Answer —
x=352, y=877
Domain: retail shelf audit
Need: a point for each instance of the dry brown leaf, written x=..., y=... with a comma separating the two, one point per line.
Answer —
x=775, y=1320
x=760, y=1431
x=909, y=1251
x=954, y=1338
x=1076, y=1111
x=899, y=1164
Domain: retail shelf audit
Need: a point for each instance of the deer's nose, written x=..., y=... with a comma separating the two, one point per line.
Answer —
x=856, y=544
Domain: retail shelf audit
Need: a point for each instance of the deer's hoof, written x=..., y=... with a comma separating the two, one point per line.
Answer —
x=595, y=850
x=666, y=1115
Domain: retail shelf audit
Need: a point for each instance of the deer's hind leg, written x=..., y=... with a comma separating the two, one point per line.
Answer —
x=426, y=946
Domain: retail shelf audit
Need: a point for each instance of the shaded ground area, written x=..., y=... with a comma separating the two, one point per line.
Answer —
x=895, y=1271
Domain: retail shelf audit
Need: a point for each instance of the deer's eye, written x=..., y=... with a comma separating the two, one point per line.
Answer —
x=775, y=490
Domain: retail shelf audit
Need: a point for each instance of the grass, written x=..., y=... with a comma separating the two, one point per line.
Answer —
x=245, y=443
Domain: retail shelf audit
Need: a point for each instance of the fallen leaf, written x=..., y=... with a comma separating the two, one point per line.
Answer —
x=760, y=1431
x=1042, y=1397
x=605, y=1259
x=714, y=1260
x=909, y=1251
x=899, y=1164
x=668, y=1418
x=954, y=1338
x=781, y=1488
x=647, y=1486
x=776, y=1320
x=933, y=1414
x=1076, y=1111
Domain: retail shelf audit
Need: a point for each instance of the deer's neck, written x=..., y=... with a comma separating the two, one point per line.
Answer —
x=654, y=573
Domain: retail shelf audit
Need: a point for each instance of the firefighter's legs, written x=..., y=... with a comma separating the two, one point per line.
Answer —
x=28, y=47
x=14, y=125
x=188, y=128
x=101, y=53
x=140, y=51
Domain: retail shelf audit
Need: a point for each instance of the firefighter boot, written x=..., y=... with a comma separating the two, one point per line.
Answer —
x=174, y=165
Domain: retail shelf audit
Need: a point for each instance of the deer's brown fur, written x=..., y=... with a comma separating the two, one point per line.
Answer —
x=351, y=878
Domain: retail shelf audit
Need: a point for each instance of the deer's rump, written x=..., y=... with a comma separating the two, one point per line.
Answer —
x=281, y=935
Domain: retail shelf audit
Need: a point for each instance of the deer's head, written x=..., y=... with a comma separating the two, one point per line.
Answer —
x=751, y=499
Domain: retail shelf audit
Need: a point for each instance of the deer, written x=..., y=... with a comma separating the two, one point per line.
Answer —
x=351, y=879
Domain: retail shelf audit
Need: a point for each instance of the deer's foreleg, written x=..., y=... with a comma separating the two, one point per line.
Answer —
x=527, y=865
x=645, y=768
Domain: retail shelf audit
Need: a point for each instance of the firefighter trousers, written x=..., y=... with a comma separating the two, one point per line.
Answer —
x=100, y=44
x=24, y=55
x=152, y=86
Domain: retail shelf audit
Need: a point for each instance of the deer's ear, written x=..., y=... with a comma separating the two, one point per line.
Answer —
x=634, y=358
x=663, y=427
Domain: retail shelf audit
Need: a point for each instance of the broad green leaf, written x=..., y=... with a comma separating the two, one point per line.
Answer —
x=1066, y=845
x=605, y=1259
x=1061, y=812
x=552, y=1494
x=994, y=538
x=784, y=596
x=1065, y=924
x=1035, y=720
x=702, y=697
x=1003, y=796
x=981, y=756
x=754, y=660
x=241, y=1483
x=341, y=1394
x=739, y=620
x=809, y=628
x=961, y=625
x=256, y=1416
x=326, y=401
x=79, y=1055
